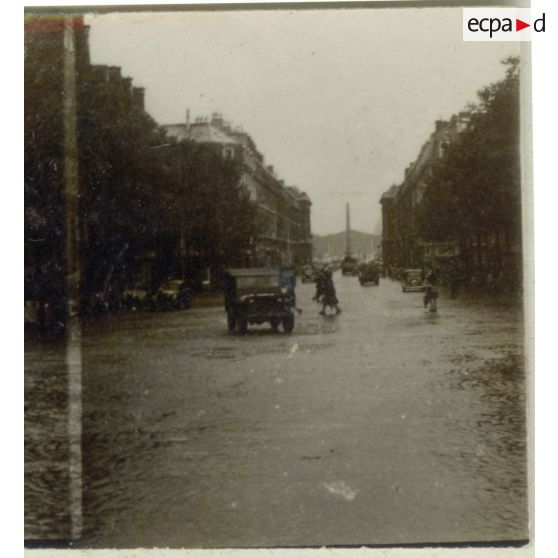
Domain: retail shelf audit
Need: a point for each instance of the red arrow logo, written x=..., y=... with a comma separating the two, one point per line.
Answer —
x=519, y=25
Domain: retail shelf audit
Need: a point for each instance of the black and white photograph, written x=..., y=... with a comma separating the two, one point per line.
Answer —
x=276, y=278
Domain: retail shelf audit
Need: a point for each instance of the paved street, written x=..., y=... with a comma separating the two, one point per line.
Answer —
x=382, y=425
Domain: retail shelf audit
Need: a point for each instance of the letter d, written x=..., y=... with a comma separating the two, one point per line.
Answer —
x=537, y=21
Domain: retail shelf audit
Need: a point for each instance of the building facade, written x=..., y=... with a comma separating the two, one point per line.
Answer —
x=390, y=236
x=402, y=244
x=480, y=256
x=285, y=236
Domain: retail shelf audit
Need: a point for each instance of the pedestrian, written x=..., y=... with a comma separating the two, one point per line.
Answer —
x=329, y=296
x=289, y=284
x=454, y=280
x=320, y=282
x=430, y=281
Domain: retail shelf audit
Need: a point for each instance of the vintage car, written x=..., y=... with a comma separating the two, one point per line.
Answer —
x=95, y=303
x=100, y=302
x=173, y=294
x=412, y=280
x=256, y=296
x=369, y=273
x=137, y=295
x=349, y=265
x=44, y=314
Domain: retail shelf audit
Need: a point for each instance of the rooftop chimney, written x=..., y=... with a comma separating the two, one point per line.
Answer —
x=127, y=85
x=138, y=97
x=114, y=74
x=217, y=119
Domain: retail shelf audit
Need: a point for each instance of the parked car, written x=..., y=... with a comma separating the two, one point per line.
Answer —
x=95, y=303
x=256, y=296
x=412, y=280
x=349, y=265
x=44, y=314
x=100, y=302
x=137, y=295
x=173, y=294
x=369, y=273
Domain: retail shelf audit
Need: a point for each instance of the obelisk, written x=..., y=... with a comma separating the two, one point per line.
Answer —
x=348, y=249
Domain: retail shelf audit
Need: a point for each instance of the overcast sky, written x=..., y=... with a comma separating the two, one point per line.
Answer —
x=338, y=101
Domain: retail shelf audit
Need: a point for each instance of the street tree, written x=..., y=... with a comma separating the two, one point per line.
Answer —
x=216, y=215
x=474, y=189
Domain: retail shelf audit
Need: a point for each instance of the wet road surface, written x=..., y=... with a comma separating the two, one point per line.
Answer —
x=383, y=425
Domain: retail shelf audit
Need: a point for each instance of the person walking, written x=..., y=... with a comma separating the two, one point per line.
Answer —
x=320, y=282
x=329, y=294
x=454, y=280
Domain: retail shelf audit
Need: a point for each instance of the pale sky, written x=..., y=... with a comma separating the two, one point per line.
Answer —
x=338, y=101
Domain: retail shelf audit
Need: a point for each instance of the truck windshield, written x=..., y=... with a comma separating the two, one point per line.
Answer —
x=257, y=281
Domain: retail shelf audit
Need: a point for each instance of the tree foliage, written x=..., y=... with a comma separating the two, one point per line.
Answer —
x=121, y=178
x=139, y=191
x=208, y=205
x=475, y=187
x=43, y=165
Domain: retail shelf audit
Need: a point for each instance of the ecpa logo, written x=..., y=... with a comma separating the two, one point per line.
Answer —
x=501, y=24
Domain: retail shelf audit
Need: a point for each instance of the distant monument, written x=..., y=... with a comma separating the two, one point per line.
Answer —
x=347, y=243
x=348, y=249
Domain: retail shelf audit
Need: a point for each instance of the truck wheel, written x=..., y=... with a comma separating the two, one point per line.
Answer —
x=275, y=323
x=288, y=324
x=231, y=322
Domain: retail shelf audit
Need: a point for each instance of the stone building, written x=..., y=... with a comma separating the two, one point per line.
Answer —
x=285, y=237
x=402, y=245
x=390, y=236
